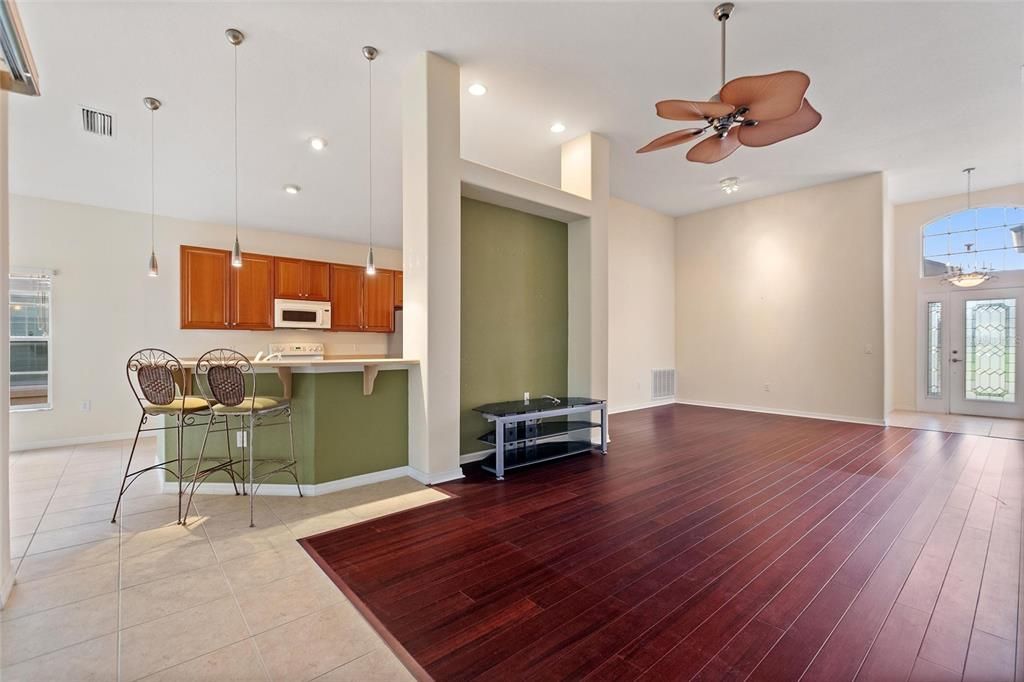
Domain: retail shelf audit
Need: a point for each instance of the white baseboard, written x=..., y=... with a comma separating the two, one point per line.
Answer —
x=77, y=440
x=475, y=456
x=642, y=406
x=786, y=413
x=308, y=489
x=439, y=477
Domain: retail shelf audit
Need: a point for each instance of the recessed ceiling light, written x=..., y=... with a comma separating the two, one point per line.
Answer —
x=477, y=89
x=558, y=127
x=317, y=143
x=730, y=184
x=292, y=189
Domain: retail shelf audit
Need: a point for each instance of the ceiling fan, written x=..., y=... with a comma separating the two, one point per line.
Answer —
x=752, y=111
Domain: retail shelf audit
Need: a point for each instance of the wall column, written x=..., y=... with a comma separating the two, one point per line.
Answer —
x=431, y=251
x=585, y=173
x=6, y=574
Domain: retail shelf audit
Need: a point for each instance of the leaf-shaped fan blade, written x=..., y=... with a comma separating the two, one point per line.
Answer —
x=769, y=97
x=684, y=110
x=714, y=149
x=770, y=132
x=670, y=140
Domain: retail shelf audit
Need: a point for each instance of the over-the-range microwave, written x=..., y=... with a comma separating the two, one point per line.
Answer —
x=292, y=314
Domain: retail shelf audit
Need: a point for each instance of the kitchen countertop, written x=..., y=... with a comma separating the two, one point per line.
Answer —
x=329, y=361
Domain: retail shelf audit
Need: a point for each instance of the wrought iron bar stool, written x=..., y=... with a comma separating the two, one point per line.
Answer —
x=231, y=381
x=158, y=380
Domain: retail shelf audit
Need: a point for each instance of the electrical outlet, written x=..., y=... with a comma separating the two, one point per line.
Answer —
x=86, y=406
x=526, y=396
x=241, y=438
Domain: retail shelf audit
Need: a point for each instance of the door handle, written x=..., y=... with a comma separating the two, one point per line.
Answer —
x=955, y=360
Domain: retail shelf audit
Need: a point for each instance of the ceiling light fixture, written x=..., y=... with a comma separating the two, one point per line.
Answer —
x=370, y=53
x=977, y=273
x=152, y=104
x=235, y=38
x=730, y=184
x=317, y=143
x=292, y=189
x=478, y=89
x=558, y=127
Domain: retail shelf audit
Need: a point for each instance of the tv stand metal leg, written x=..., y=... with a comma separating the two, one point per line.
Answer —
x=499, y=452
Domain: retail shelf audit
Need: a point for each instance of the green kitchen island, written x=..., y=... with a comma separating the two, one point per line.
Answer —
x=350, y=418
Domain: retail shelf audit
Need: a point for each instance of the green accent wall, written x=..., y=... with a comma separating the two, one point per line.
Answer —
x=515, y=314
x=339, y=432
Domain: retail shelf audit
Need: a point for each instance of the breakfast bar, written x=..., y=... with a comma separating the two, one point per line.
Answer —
x=349, y=414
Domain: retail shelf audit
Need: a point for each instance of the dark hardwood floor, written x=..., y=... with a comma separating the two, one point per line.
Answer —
x=710, y=544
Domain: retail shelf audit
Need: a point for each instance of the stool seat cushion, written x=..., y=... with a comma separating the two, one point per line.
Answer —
x=260, y=403
x=191, y=404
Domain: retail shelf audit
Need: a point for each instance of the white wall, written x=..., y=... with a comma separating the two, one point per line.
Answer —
x=786, y=291
x=907, y=280
x=641, y=301
x=105, y=307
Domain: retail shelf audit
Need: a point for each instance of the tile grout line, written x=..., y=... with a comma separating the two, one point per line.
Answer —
x=60, y=476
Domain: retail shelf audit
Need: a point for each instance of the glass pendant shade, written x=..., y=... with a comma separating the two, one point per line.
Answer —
x=370, y=269
x=969, y=279
x=154, y=268
x=236, y=254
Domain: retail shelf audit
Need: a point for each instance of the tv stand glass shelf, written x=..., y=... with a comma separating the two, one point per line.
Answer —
x=521, y=437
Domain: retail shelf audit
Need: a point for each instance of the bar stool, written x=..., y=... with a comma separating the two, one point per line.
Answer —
x=157, y=379
x=229, y=376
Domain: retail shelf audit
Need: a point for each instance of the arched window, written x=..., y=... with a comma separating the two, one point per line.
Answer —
x=988, y=237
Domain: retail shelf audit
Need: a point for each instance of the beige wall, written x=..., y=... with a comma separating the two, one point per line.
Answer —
x=907, y=281
x=105, y=307
x=641, y=301
x=785, y=291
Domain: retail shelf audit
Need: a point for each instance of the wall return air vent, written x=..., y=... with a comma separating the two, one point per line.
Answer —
x=97, y=122
x=663, y=383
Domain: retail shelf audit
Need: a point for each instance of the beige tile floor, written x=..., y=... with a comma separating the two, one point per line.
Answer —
x=147, y=598
x=959, y=423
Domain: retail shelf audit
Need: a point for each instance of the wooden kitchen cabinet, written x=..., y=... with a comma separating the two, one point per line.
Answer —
x=296, y=278
x=347, y=298
x=205, y=281
x=252, y=293
x=379, y=301
x=215, y=295
x=399, y=287
x=361, y=302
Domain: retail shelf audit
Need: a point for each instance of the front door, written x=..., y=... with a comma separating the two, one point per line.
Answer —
x=984, y=337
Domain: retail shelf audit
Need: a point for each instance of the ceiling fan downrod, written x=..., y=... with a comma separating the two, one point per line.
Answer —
x=722, y=13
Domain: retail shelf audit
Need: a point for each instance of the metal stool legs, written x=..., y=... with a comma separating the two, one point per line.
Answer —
x=179, y=429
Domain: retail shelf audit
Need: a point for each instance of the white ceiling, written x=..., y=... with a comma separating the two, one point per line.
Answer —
x=917, y=89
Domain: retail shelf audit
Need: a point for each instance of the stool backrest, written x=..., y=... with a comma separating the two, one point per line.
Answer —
x=225, y=371
x=154, y=374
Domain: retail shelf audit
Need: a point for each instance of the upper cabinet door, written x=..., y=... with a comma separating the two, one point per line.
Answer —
x=399, y=287
x=318, y=281
x=379, y=310
x=252, y=293
x=289, y=278
x=346, y=298
x=204, y=288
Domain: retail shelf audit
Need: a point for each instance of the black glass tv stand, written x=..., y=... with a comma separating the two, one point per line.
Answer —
x=522, y=437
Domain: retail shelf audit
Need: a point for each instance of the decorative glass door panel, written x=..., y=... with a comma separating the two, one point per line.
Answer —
x=984, y=336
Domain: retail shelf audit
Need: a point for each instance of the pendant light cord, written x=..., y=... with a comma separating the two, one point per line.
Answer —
x=236, y=142
x=152, y=180
x=369, y=142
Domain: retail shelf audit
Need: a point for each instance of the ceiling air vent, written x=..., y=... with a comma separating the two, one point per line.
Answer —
x=97, y=122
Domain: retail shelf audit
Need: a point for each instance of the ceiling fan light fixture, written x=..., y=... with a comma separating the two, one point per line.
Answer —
x=729, y=185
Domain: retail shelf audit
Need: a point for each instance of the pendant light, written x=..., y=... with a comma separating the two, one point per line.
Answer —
x=235, y=37
x=977, y=274
x=152, y=104
x=370, y=53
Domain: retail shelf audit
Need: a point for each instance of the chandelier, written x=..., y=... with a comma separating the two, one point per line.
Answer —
x=964, y=277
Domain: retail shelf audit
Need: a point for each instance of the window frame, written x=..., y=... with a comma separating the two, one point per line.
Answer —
x=29, y=273
x=921, y=236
